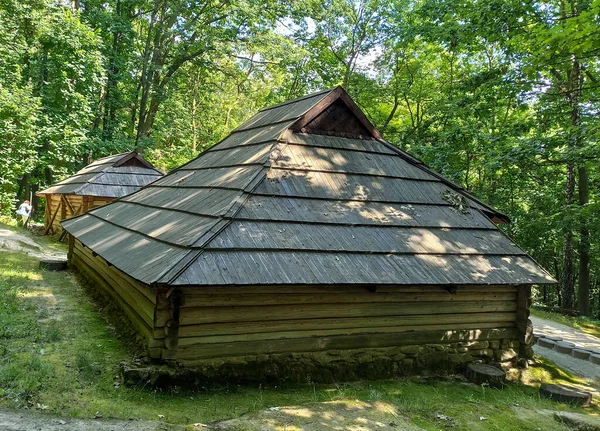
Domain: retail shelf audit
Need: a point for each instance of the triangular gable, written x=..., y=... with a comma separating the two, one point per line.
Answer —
x=337, y=115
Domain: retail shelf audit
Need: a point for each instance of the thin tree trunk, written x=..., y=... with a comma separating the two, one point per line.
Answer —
x=584, y=246
x=568, y=285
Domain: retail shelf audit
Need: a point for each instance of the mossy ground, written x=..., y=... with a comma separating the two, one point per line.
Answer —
x=59, y=352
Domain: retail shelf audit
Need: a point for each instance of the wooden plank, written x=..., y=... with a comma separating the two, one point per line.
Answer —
x=292, y=333
x=133, y=316
x=342, y=342
x=507, y=319
x=190, y=316
x=129, y=294
x=341, y=289
x=52, y=219
x=144, y=289
x=242, y=299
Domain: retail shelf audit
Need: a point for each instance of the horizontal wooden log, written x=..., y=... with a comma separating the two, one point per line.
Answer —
x=190, y=316
x=292, y=333
x=233, y=299
x=123, y=278
x=144, y=308
x=132, y=314
x=201, y=290
x=341, y=323
x=343, y=342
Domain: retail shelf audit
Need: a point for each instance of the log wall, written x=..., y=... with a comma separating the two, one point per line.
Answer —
x=240, y=321
x=61, y=207
x=269, y=328
x=140, y=303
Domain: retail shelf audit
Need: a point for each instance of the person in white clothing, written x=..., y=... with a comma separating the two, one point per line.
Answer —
x=23, y=213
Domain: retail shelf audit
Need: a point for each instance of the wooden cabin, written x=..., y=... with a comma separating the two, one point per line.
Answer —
x=99, y=183
x=305, y=244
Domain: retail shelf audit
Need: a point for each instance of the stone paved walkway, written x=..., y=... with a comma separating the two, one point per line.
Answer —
x=549, y=328
x=582, y=368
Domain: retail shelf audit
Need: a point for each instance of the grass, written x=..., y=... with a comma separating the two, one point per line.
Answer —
x=60, y=354
x=585, y=324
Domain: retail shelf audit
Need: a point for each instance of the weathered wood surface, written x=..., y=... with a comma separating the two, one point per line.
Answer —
x=99, y=281
x=53, y=264
x=240, y=299
x=348, y=324
x=189, y=291
x=315, y=344
x=190, y=316
x=340, y=211
x=113, y=176
x=565, y=394
x=293, y=333
x=392, y=315
x=482, y=373
x=128, y=293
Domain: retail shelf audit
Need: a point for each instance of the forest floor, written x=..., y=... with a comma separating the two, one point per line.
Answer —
x=61, y=345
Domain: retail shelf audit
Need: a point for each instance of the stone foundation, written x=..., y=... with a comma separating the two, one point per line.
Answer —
x=329, y=366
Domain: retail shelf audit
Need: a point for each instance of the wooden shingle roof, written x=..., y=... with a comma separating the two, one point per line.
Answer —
x=305, y=192
x=113, y=177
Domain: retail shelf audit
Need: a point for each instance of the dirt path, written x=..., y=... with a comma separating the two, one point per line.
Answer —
x=12, y=241
x=28, y=420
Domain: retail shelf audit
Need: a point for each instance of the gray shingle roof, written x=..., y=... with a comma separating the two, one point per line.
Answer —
x=271, y=205
x=113, y=176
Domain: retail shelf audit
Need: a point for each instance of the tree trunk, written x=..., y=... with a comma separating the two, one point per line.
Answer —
x=584, y=246
x=568, y=280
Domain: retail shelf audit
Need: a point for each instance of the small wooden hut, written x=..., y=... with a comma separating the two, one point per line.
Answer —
x=304, y=243
x=99, y=183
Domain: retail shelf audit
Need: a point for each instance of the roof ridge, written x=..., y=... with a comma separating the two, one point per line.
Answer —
x=289, y=102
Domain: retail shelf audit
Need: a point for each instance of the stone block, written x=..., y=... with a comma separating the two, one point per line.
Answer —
x=581, y=354
x=495, y=345
x=411, y=350
x=460, y=358
x=546, y=342
x=594, y=358
x=505, y=355
x=478, y=345
x=564, y=347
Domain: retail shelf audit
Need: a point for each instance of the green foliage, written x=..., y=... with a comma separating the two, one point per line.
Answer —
x=482, y=91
